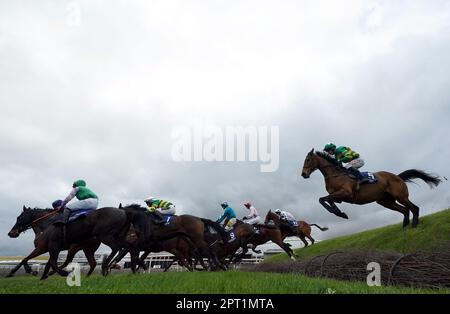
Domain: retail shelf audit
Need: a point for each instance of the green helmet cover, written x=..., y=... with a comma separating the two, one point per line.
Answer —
x=79, y=183
x=329, y=146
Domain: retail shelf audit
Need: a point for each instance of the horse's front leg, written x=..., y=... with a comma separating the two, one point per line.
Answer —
x=329, y=203
x=36, y=252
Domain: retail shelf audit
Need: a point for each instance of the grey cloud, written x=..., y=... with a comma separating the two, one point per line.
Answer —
x=100, y=101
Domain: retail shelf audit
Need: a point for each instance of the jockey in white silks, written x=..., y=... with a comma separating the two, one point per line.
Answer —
x=253, y=218
x=285, y=215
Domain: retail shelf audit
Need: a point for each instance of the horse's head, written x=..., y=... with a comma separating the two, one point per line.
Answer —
x=23, y=222
x=310, y=165
x=271, y=216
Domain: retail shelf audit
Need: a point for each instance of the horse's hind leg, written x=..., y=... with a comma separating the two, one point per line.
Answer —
x=54, y=250
x=302, y=237
x=27, y=268
x=141, y=261
x=413, y=208
x=90, y=256
x=311, y=239
x=107, y=260
x=389, y=202
x=46, y=269
x=70, y=255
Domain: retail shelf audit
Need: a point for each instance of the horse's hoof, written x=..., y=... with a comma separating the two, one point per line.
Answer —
x=343, y=215
x=9, y=276
x=34, y=273
x=293, y=258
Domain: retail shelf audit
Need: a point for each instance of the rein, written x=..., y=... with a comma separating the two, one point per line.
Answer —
x=335, y=175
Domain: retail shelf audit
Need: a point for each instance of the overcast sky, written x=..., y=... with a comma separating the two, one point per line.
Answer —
x=94, y=90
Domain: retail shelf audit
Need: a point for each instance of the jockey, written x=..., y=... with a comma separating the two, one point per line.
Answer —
x=253, y=217
x=330, y=149
x=285, y=215
x=228, y=215
x=346, y=155
x=288, y=219
x=160, y=207
x=57, y=204
x=86, y=199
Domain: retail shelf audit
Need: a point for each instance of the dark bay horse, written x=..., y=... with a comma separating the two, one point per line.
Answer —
x=227, y=250
x=108, y=225
x=180, y=246
x=303, y=229
x=183, y=225
x=39, y=220
x=390, y=191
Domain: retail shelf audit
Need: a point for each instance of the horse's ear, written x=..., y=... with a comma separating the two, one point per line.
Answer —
x=312, y=151
x=24, y=208
x=120, y=205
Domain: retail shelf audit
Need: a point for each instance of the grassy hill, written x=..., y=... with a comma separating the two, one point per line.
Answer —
x=432, y=232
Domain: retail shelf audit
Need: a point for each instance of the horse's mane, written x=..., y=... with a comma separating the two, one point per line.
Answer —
x=135, y=206
x=330, y=159
x=37, y=209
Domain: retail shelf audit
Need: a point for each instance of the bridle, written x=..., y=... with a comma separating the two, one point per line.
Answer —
x=330, y=176
x=29, y=225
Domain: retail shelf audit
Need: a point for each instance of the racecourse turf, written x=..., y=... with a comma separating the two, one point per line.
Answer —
x=197, y=283
x=432, y=232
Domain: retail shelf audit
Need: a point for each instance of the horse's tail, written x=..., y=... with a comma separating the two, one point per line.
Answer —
x=411, y=174
x=321, y=228
x=217, y=227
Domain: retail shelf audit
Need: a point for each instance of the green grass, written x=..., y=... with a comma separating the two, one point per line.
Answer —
x=198, y=282
x=433, y=231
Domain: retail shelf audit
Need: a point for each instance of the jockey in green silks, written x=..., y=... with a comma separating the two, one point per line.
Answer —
x=346, y=155
x=86, y=200
x=160, y=207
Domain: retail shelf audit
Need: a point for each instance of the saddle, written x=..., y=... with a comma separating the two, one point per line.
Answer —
x=162, y=219
x=289, y=226
x=77, y=214
x=362, y=177
x=231, y=236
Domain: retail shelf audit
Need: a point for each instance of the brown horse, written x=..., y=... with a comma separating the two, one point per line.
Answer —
x=179, y=246
x=389, y=191
x=302, y=230
x=227, y=250
x=183, y=225
x=271, y=233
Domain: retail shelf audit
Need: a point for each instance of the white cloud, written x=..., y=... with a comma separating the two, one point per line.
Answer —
x=100, y=100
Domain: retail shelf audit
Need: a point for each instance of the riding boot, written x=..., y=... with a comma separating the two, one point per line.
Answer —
x=158, y=218
x=355, y=173
x=66, y=215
